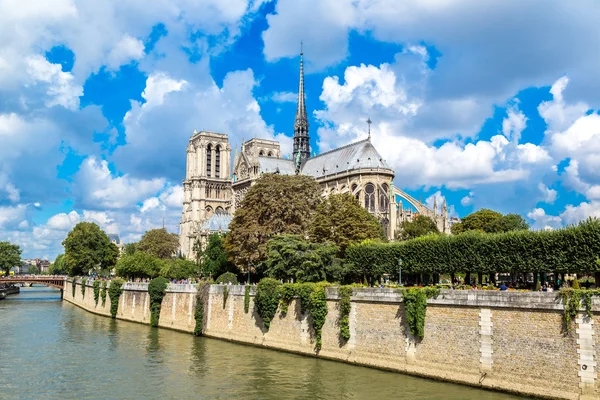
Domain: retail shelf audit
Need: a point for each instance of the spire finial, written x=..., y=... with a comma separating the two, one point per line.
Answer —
x=369, y=122
x=301, y=43
x=301, y=138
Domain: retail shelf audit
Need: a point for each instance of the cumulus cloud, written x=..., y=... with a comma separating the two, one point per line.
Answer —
x=125, y=50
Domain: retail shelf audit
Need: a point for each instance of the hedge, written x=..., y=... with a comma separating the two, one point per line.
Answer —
x=574, y=249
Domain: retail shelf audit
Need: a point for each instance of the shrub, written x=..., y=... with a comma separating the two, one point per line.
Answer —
x=345, y=292
x=415, y=306
x=96, y=291
x=318, y=311
x=156, y=290
x=73, y=286
x=103, y=293
x=114, y=292
x=83, y=282
x=267, y=300
x=226, y=278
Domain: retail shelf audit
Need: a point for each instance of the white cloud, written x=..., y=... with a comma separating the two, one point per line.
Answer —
x=284, y=97
x=59, y=86
x=63, y=221
x=467, y=200
x=13, y=193
x=541, y=220
x=125, y=50
x=548, y=195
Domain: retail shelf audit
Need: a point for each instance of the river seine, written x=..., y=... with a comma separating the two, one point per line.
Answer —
x=50, y=349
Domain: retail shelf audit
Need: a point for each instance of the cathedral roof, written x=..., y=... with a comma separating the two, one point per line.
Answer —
x=218, y=222
x=271, y=165
x=354, y=156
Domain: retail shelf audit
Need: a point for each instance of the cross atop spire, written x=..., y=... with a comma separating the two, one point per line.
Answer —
x=369, y=122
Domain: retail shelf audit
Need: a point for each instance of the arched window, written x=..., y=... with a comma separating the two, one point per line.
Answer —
x=208, y=160
x=209, y=212
x=384, y=200
x=219, y=210
x=270, y=154
x=218, y=162
x=370, y=197
x=357, y=194
x=261, y=153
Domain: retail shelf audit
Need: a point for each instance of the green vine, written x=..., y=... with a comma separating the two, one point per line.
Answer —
x=83, y=281
x=201, y=299
x=267, y=299
x=287, y=292
x=114, y=292
x=103, y=293
x=247, y=299
x=73, y=286
x=96, y=287
x=572, y=300
x=415, y=306
x=345, y=292
x=156, y=290
x=225, y=295
x=318, y=311
x=304, y=292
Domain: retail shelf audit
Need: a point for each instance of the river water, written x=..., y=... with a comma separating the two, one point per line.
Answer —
x=50, y=349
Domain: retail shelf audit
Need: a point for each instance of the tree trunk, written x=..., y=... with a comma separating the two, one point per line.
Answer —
x=468, y=279
x=480, y=278
x=597, y=279
x=452, y=279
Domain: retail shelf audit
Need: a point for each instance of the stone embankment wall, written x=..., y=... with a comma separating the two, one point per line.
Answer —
x=499, y=340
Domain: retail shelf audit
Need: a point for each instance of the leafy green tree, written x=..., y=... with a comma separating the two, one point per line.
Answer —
x=178, y=268
x=58, y=266
x=341, y=220
x=85, y=248
x=111, y=255
x=292, y=257
x=10, y=256
x=489, y=221
x=139, y=265
x=159, y=243
x=213, y=260
x=33, y=270
x=129, y=248
x=275, y=205
x=419, y=226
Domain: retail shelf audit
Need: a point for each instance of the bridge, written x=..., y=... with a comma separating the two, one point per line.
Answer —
x=52, y=281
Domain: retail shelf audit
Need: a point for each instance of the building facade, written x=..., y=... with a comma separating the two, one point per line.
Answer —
x=213, y=188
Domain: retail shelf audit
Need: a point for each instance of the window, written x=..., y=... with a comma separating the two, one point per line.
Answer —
x=219, y=210
x=370, y=197
x=384, y=200
x=270, y=154
x=218, y=162
x=208, y=160
x=261, y=153
x=209, y=212
x=357, y=194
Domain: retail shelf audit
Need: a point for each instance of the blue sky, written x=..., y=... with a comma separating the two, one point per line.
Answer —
x=484, y=105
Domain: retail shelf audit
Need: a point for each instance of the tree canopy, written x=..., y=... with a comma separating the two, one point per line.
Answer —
x=419, y=226
x=490, y=221
x=159, y=243
x=213, y=260
x=58, y=266
x=10, y=256
x=178, y=268
x=86, y=249
x=292, y=257
x=139, y=265
x=33, y=270
x=276, y=204
x=341, y=220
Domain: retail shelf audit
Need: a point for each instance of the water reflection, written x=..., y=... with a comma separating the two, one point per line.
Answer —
x=57, y=350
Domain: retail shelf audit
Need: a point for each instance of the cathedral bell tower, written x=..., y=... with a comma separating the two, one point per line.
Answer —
x=301, y=138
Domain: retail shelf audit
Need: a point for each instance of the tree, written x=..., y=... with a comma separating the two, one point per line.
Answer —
x=58, y=266
x=341, y=220
x=489, y=221
x=159, y=243
x=139, y=265
x=419, y=226
x=292, y=257
x=85, y=248
x=33, y=270
x=178, y=268
x=129, y=248
x=111, y=255
x=10, y=256
x=276, y=204
x=213, y=260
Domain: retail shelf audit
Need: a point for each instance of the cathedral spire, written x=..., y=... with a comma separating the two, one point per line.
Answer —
x=301, y=138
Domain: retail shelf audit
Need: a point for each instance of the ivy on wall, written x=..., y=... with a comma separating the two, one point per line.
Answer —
x=103, y=293
x=156, y=290
x=83, y=281
x=114, y=292
x=345, y=292
x=287, y=292
x=415, y=308
x=267, y=299
x=73, y=286
x=247, y=299
x=572, y=300
x=96, y=286
x=201, y=300
x=225, y=295
x=318, y=310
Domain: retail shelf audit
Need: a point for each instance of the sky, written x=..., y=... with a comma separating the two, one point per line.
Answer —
x=486, y=104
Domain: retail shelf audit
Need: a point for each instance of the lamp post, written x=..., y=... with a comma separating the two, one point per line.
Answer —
x=400, y=272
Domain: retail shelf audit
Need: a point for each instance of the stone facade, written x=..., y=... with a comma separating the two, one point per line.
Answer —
x=497, y=340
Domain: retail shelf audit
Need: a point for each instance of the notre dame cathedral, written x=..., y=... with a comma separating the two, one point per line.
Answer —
x=213, y=190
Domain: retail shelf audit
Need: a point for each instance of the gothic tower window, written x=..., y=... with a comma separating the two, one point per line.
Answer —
x=218, y=162
x=384, y=200
x=357, y=194
x=270, y=154
x=208, y=160
x=370, y=197
x=261, y=153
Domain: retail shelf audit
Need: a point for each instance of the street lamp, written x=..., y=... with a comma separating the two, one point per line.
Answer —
x=400, y=272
